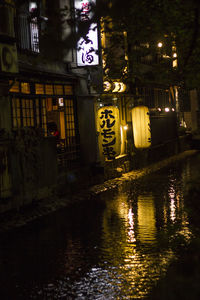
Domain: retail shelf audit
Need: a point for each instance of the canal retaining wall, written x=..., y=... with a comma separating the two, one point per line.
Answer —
x=30, y=185
x=13, y=220
x=140, y=158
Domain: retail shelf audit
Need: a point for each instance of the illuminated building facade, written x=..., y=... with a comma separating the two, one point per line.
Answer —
x=61, y=106
x=45, y=111
x=123, y=88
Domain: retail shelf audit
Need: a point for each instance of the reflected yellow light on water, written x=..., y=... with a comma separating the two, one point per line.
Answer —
x=131, y=232
x=124, y=225
x=146, y=219
x=172, y=210
x=172, y=204
x=165, y=214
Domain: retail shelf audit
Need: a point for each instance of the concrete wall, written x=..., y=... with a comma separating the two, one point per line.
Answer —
x=32, y=172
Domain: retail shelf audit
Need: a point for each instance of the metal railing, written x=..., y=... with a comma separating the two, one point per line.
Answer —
x=27, y=33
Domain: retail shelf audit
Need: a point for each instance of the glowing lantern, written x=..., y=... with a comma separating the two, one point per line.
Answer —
x=141, y=127
x=119, y=87
x=109, y=132
x=106, y=86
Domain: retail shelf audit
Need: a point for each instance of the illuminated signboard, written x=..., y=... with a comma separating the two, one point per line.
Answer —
x=109, y=132
x=87, y=49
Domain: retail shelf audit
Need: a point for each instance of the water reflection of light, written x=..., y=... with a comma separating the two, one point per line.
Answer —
x=186, y=231
x=165, y=214
x=172, y=197
x=132, y=271
x=146, y=219
x=131, y=233
x=172, y=210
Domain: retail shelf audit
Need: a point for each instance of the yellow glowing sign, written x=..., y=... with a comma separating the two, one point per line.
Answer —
x=141, y=127
x=109, y=132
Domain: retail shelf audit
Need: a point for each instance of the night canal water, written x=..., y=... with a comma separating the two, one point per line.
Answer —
x=116, y=246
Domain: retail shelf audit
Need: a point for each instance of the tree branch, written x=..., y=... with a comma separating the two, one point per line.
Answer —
x=194, y=37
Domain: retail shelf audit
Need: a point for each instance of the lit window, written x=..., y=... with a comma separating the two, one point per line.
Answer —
x=70, y=122
x=68, y=90
x=58, y=89
x=22, y=112
x=16, y=113
x=25, y=87
x=39, y=88
x=14, y=87
x=49, y=104
x=49, y=89
x=44, y=116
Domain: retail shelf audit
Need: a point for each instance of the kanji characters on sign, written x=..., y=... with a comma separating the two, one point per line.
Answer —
x=87, y=47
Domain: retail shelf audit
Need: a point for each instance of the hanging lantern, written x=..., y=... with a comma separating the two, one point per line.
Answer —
x=141, y=127
x=109, y=132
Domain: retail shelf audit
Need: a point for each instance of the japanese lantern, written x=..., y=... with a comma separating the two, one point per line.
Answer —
x=141, y=127
x=108, y=128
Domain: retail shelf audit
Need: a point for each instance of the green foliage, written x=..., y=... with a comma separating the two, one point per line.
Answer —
x=149, y=22
x=174, y=23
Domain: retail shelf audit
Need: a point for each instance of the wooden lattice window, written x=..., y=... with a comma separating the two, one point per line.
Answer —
x=49, y=89
x=39, y=88
x=27, y=112
x=16, y=112
x=70, y=122
x=25, y=88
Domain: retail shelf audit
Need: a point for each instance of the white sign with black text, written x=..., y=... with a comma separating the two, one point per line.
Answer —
x=87, y=49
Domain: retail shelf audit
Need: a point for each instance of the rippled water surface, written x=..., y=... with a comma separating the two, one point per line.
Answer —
x=115, y=246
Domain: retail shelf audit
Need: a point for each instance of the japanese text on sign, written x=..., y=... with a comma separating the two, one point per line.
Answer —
x=109, y=131
x=87, y=48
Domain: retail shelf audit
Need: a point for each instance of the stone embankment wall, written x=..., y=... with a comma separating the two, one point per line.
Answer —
x=29, y=172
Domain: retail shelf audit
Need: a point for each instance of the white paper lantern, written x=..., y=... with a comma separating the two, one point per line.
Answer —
x=141, y=127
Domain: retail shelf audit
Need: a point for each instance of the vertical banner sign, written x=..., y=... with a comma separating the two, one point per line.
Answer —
x=34, y=27
x=141, y=127
x=109, y=132
x=87, y=49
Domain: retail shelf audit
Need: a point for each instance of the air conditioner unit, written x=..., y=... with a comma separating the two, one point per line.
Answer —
x=7, y=20
x=8, y=58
